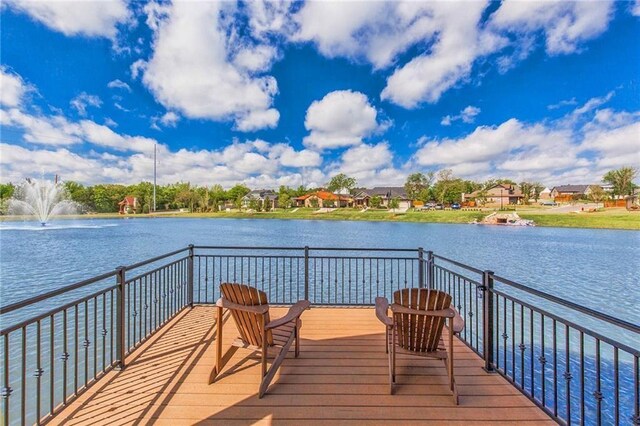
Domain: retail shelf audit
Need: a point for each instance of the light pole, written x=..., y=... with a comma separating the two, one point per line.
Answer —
x=154, y=177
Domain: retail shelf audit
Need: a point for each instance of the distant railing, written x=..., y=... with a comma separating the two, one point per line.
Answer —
x=552, y=350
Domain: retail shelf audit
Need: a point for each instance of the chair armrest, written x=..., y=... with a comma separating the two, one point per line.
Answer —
x=447, y=313
x=382, y=306
x=255, y=309
x=294, y=312
x=458, y=323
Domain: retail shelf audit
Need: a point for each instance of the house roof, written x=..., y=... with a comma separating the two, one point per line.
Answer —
x=384, y=191
x=129, y=200
x=261, y=194
x=571, y=189
x=512, y=191
x=324, y=195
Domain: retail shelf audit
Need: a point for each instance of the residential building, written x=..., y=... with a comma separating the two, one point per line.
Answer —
x=128, y=205
x=564, y=193
x=386, y=194
x=267, y=198
x=499, y=195
x=323, y=199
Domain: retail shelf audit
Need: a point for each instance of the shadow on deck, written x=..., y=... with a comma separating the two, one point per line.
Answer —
x=339, y=378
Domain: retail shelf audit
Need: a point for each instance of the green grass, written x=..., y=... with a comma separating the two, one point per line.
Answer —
x=610, y=218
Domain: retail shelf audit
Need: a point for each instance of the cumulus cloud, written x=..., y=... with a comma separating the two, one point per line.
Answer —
x=565, y=24
x=635, y=8
x=449, y=39
x=342, y=118
x=467, y=115
x=191, y=71
x=13, y=88
x=89, y=18
x=84, y=100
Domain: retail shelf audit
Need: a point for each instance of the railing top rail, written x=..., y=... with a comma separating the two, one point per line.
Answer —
x=583, y=309
x=155, y=259
x=57, y=292
x=459, y=264
x=21, y=304
x=405, y=250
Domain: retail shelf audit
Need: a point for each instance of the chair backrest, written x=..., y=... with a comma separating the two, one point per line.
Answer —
x=249, y=324
x=420, y=333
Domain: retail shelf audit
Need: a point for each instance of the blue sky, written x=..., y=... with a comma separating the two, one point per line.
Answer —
x=271, y=93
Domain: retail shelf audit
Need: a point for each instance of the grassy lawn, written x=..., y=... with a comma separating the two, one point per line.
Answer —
x=610, y=218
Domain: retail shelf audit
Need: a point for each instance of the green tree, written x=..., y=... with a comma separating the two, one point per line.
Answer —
x=394, y=203
x=622, y=180
x=255, y=204
x=217, y=195
x=376, y=201
x=527, y=191
x=314, y=203
x=237, y=192
x=417, y=183
x=341, y=182
x=537, y=190
x=6, y=192
x=597, y=194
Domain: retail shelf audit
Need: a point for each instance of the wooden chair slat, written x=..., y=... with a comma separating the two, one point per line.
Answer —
x=280, y=333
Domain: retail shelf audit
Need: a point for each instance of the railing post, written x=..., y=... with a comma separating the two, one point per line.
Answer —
x=487, y=320
x=120, y=319
x=190, y=276
x=430, y=270
x=306, y=272
x=420, y=267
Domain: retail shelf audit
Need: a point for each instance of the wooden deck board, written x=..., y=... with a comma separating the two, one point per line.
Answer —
x=340, y=378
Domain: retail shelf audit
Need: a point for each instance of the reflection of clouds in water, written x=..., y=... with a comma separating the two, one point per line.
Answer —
x=39, y=228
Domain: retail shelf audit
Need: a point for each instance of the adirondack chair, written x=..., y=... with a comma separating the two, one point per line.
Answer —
x=258, y=332
x=415, y=328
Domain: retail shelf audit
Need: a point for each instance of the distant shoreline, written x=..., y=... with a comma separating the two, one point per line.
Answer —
x=608, y=219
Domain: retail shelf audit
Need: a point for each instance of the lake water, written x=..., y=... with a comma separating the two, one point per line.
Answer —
x=595, y=268
x=598, y=269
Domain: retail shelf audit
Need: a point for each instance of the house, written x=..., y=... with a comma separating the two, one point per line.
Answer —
x=564, y=193
x=267, y=198
x=633, y=201
x=128, y=205
x=545, y=194
x=323, y=199
x=501, y=194
x=386, y=194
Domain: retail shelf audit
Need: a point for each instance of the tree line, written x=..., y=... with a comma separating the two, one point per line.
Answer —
x=441, y=186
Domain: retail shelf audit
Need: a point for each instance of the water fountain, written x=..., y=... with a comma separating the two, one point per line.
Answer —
x=42, y=199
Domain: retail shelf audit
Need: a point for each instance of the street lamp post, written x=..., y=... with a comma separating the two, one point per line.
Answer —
x=154, y=177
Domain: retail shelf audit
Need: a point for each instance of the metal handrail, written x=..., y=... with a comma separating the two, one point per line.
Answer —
x=583, y=309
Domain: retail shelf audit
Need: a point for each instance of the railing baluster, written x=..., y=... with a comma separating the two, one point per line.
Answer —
x=597, y=394
x=39, y=371
x=6, y=389
x=23, y=377
x=582, y=400
x=567, y=373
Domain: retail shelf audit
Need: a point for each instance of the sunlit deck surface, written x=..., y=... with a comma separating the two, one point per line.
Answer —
x=339, y=378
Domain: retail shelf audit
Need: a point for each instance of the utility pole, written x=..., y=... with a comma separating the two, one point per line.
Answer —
x=154, y=177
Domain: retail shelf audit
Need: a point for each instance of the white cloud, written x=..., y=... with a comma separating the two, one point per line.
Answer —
x=467, y=115
x=342, y=118
x=84, y=100
x=615, y=139
x=458, y=42
x=635, y=8
x=593, y=103
x=190, y=69
x=119, y=84
x=566, y=24
x=562, y=103
x=12, y=88
x=90, y=18
x=449, y=38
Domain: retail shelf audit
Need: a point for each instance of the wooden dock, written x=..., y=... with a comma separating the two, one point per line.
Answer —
x=339, y=378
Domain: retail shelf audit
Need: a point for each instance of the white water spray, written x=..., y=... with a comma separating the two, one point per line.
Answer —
x=41, y=199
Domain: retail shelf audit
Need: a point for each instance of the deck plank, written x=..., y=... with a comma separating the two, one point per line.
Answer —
x=340, y=378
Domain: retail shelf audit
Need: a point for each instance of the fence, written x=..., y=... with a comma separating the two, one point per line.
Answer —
x=555, y=352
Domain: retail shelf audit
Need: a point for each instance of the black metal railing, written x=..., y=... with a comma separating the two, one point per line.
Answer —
x=75, y=335
x=560, y=355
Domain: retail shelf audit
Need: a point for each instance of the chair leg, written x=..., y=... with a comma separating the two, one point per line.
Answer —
x=452, y=380
x=297, y=333
x=266, y=379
